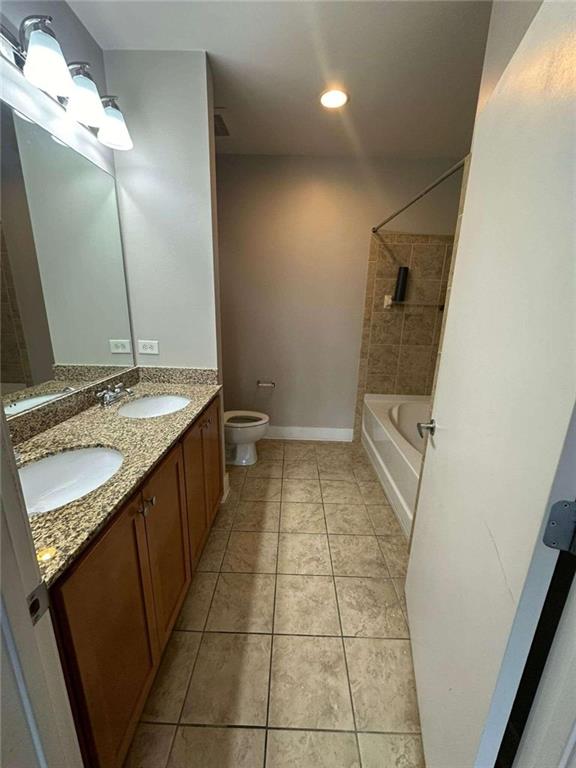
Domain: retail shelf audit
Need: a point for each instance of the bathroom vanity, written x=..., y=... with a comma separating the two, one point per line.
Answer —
x=114, y=603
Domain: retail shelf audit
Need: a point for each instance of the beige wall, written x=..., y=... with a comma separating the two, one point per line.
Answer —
x=165, y=195
x=509, y=20
x=294, y=235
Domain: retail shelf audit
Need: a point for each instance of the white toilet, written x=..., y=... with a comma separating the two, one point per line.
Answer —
x=242, y=430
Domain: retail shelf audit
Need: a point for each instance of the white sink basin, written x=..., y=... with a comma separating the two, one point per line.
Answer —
x=30, y=402
x=64, y=477
x=157, y=405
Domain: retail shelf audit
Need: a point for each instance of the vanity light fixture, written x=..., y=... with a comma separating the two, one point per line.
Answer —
x=113, y=132
x=45, y=66
x=333, y=99
x=84, y=104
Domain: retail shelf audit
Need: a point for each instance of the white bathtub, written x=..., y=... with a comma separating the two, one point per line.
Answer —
x=395, y=448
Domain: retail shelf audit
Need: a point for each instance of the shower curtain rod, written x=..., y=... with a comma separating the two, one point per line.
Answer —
x=429, y=188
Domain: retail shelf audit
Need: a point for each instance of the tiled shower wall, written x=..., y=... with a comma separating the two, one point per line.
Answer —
x=400, y=344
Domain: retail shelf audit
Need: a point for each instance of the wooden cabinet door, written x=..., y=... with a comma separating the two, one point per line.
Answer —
x=167, y=534
x=105, y=616
x=195, y=489
x=212, y=458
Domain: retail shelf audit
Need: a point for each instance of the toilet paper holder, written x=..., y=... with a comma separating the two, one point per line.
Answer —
x=266, y=384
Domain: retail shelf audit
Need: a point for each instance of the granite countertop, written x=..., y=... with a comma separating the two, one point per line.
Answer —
x=46, y=388
x=143, y=442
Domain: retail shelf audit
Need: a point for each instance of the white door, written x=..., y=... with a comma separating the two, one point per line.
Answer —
x=37, y=730
x=549, y=738
x=478, y=573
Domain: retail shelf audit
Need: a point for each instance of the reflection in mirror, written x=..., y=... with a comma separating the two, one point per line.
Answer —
x=65, y=319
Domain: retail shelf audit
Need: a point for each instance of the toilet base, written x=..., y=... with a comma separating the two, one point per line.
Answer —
x=244, y=455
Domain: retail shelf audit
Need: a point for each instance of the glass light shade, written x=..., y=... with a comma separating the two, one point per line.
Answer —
x=45, y=66
x=333, y=99
x=84, y=104
x=113, y=132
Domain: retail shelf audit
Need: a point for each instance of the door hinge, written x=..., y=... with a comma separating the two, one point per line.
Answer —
x=38, y=602
x=560, y=530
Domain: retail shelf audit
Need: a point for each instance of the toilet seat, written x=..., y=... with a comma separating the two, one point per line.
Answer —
x=243, y=419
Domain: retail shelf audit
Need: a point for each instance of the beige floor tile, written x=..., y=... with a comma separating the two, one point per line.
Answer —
x=251, y=552
x=295, y=451
x=372, y=493
x=224, y=518
x=167, y=695
x=384, y=520
x=370, y=608
x=306, y=605
x=311, y=749
x=265, y=468
x=213, y=553
x=243, y=602
x=365, y=473
x=388, y=750
x=234, y=469
x=336, y=451
x=357, y=556
x=229, y=685
x=340, y=492
x=150, y=746
x=303, y=469
x=395, y=549
x=236, y=478
x=399, y=586
x=346, y=475
x=298, y=517
x=261, y=489
x=309, y=688
x=304, y=553
x=270, y=450
x=382, y=681
x=257, y=516
x=197, y=603
x=217, y=748
x=348, y=518
x=232, y=499
x=301, y=490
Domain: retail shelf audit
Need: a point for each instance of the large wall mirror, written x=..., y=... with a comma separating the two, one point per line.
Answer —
x=65, y=319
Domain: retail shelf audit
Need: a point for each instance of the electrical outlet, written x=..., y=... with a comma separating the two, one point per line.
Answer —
x=148, y=347
x=120, y=346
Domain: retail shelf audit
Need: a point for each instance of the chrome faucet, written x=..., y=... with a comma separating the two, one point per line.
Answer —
x=111, y=394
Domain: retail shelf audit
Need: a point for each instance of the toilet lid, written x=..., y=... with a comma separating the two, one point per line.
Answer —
x=245, y=418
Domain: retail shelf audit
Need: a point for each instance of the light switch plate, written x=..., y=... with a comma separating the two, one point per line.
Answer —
x=120, y=346
x=147, y=347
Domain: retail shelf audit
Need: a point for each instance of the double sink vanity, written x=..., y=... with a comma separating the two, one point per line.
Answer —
x=121, y=499
x=120, y=463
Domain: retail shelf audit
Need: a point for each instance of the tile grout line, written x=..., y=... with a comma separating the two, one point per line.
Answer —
x=281, y=728
x=342, y=639
x=203, y=633
x=265, y=756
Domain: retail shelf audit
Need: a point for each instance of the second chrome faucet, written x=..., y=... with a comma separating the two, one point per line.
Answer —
x=110, y=394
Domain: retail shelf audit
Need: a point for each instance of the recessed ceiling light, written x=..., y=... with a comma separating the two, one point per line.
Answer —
x=333, y=99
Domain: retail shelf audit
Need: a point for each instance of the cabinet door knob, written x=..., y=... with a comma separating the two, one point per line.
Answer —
x=150, y=502
x=143, y=510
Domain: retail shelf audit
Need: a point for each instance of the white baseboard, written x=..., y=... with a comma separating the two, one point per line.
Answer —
x=226, y=487
x=310, y=433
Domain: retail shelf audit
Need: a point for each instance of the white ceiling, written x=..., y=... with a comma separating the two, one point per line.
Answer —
x=412, y=69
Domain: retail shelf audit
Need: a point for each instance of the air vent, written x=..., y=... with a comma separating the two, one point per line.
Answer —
x=220, y=127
